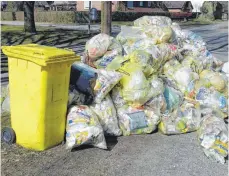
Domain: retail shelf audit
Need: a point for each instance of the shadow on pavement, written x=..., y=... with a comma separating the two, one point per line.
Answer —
x=111, y=142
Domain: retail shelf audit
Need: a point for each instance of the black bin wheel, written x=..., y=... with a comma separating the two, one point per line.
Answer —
x=8, y=135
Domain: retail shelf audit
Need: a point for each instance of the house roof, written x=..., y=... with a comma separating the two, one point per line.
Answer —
x=41, y=3
x=64, y=3
x=175, y=4
x=224, y=4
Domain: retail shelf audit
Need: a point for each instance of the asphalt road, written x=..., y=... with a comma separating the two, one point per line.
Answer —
x=140, y=155
x=216, y=37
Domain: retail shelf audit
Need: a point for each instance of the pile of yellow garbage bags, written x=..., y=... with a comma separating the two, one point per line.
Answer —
x=153, y=75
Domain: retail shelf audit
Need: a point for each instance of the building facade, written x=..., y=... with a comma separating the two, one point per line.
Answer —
x=126, y=6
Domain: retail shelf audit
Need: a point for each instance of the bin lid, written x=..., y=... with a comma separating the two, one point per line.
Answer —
x=40, y=54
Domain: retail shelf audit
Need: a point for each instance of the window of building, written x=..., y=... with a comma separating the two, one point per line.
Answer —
x=130, y=4
x=149, y=4
x=141, y=4
x=86, y=4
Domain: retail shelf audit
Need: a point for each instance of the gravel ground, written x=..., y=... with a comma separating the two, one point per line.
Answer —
x=153, y=154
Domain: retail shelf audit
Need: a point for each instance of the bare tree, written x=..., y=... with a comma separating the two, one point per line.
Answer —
x=29, y=23
x=28, y=8
x=106, y=16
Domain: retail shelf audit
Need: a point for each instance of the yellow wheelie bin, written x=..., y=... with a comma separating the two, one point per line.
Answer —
x=39, y=82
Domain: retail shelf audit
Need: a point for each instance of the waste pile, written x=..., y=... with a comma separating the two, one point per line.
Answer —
x=153, y=75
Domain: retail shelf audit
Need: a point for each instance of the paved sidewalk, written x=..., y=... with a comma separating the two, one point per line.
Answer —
x=84, y=27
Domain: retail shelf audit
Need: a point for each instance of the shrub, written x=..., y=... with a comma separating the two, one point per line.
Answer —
x=44, y=16
x=81, y=17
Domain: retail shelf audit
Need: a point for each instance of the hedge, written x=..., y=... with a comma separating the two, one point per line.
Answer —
x=81, y=17
x=44, y=16
x=77, y=17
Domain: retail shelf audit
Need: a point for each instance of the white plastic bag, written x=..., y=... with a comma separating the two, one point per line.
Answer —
x=138, y=44
x=152, y=20
x=116, y=95
x=97, y=46
x=133, y=38
x=225, y=69
x=185, y=118
x=4, y=92
x=106, y=80
x=137, y=120
x=213, y=99
x=83, y=127
x=213, y=137
x=75, y=97
x=5, y=101
x=6, y=107
x=114, y=49
x=136, y=89
x=157, y=104
x=215, y=79
x=107, y=116
x=180, y=75
x=142, y=58
x=161, y=34
x=173, y=97
x=161, y=54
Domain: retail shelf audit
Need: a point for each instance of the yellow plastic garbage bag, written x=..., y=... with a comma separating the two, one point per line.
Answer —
x=135, y=87
x=185, y=118
x=105, y=81
x=133, y=38
x=116, y=95
x=97, y=46
x=130, y=34
x=157, y=104
x=218, y=80
x=114, y=49
x=156, y=86
x=161, y=34
x=182, y=76
x=137, y=120
x=174, y=98
x=195, y=64
x=161, y=54
x=152, y=20
x=117, y=63
x=213, y=137
x=208, y=97
x=144, y=59
x=83, y=127
x=138, y=44
x=107, y=116
x=102, y=48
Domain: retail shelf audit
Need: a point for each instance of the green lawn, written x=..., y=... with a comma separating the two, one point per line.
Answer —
x=13, y=28
x=200, y=22
x=15, y=35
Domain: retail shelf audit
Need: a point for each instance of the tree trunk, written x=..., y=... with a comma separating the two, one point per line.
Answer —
x=106, y=17
x=29, y=23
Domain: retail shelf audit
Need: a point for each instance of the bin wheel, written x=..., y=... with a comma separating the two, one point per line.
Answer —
x=8, y=135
